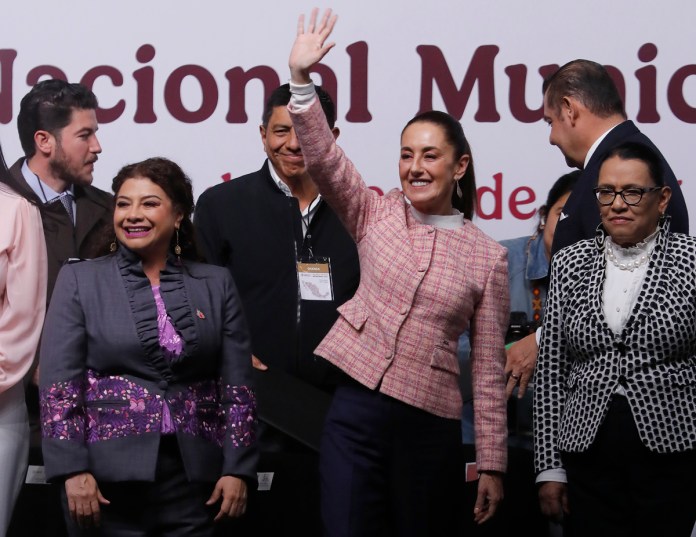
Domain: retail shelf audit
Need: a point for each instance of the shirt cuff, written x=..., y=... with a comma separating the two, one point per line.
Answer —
x=538, y=336
x=554, y=474
x=301, y=96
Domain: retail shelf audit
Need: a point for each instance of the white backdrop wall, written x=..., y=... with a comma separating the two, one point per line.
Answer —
x=186, y=80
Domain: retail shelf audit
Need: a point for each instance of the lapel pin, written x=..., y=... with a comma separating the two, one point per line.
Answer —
x=200, y=314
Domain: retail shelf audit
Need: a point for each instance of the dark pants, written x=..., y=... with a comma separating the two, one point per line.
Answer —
x=618, y=487
x=170, y=506
x=388, y=469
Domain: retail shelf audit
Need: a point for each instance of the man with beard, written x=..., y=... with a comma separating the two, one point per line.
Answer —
x=57, y=126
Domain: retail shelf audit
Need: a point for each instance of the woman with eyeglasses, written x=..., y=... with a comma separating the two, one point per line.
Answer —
x=615, y=383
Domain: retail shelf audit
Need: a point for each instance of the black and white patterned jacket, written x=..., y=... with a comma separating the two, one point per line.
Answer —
x=581, y=361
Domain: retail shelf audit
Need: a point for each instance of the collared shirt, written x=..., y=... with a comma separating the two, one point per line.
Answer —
x=622, y=284
x=595, y=145
x=44, y=192
x=308, y=212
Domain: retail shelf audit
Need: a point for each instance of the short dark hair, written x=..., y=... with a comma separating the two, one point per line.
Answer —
x=454, y=134
x=176, y=184
x=49, y=106
x=646, y=154
x=281, y=97
x=587, y=81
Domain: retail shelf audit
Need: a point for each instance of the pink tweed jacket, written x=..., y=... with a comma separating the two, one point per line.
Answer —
x=420, y=288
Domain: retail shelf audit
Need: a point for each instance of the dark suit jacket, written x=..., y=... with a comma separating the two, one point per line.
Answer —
x=104, y=378
x=63, y=241
x=581, y=208
x=581, y=360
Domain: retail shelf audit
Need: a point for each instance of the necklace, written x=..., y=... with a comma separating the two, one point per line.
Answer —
x=624, y=263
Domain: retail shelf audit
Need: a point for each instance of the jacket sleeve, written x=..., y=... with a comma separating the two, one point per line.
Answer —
x=236, y=392
x=332, y=171
x=488, y=327
x=23, y=306
x=62, y=380
x=550, y=373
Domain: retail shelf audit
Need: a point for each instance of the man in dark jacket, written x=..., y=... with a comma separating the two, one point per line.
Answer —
x=294, y=264
x=57, y=126
x=587, y=119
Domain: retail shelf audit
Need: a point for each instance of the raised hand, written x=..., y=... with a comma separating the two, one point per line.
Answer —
x=310, y=46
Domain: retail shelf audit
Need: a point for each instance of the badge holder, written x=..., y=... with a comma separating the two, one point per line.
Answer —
x=314, y=275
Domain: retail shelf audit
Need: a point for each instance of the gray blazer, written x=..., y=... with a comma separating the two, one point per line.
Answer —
x=104, y=378
x=581, y=361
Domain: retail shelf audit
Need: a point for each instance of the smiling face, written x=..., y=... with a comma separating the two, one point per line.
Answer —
x=145, y=219
x=428, y=168
x=629, y=224
x=281, y=145
x=76, y=148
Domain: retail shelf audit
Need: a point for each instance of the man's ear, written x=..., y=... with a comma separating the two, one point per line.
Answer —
x=335, y=131
x=44, y=142
x=570, y=106
x=262, y=131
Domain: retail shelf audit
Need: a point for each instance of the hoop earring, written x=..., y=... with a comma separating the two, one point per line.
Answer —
x=177, y=248
x=113, y=247
x=542, y=223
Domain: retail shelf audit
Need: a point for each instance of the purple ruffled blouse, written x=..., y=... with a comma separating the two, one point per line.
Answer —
x=172, y=345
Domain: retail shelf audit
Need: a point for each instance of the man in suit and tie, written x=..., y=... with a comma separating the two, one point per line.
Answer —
x=57, y=126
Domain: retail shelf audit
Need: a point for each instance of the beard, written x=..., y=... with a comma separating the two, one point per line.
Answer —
x=73, y=174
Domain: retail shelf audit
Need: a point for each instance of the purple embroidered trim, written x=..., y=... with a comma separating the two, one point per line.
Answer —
x=62, y=413
x=241, y=419
x=117, y=407
x=196, y=411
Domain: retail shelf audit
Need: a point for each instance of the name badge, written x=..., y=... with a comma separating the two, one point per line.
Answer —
x=315, y=280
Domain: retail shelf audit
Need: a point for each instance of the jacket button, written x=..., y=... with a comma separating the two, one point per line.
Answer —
x=622, y=381
x=163, y=384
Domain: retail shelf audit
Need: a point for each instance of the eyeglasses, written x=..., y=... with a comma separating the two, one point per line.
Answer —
x=631, y=196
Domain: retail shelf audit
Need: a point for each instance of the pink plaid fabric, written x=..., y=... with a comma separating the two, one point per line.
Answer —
x=420, y=288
